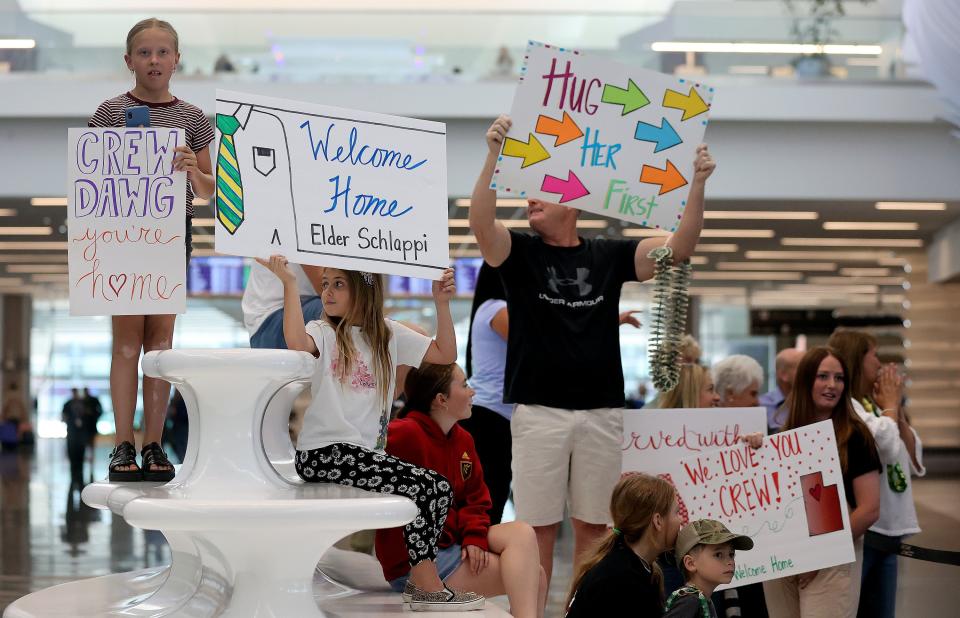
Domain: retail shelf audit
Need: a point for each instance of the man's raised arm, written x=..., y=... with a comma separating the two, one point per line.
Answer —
x=685, y=239
x=492, y=237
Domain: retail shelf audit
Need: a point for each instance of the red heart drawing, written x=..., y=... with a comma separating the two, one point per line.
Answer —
x=815, y=491
x=121, y=278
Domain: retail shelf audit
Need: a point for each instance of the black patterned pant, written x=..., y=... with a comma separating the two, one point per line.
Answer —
x=354, y=466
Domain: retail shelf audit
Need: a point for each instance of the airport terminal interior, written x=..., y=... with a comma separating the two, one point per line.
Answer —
x=835, y=204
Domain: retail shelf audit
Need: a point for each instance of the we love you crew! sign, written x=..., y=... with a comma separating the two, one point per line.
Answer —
x=788, y=496
x=603, y=137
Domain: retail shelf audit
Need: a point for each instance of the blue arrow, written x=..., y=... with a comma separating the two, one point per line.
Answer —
x=664, y=136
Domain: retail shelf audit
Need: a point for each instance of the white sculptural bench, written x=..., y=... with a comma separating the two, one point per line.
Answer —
x=245, y=534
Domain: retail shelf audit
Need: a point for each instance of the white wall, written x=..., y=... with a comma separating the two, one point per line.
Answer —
x=944, y=255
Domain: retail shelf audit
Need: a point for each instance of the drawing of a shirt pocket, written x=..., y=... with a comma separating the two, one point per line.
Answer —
x=264, y=159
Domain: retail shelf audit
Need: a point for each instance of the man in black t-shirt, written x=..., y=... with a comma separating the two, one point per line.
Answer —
x=563, y=365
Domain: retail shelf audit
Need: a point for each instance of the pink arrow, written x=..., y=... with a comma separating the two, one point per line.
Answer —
x=569, y=189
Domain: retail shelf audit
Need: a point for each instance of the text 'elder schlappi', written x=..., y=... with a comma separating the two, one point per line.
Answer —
x=390, y=244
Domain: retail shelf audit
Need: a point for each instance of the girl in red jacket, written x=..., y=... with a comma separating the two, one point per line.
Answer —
x=473, y=555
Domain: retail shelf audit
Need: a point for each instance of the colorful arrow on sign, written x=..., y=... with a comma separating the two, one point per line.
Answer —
x=531, y=151
x=565, y=130
x=663, y=136
x=569, y=189
x=669, y=178
x=692, y=104
x=631, y=97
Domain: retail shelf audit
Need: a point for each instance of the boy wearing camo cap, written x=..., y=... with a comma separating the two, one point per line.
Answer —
x=705, y=553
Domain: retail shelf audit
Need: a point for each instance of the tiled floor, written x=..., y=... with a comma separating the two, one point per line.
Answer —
x=48, y=537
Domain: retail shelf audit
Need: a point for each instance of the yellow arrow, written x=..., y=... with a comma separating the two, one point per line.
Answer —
x=691, y=104
x=531, y=151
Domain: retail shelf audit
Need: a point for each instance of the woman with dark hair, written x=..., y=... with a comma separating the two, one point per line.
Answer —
x=876, y=394
x=473, y=555
x=489, y=424
x=821, y=393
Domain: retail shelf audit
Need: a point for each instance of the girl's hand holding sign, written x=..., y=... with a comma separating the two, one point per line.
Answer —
x=278, y=266
x=446, y=288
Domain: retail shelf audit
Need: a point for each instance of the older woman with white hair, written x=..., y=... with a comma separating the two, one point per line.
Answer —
x=737, y=379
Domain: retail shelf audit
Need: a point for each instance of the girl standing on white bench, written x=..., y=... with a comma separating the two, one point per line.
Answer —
x=345, y=427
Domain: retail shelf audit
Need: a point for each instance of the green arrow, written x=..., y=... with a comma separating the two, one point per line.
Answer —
x=631, y=98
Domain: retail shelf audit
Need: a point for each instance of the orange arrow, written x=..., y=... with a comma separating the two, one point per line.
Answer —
x=565, y=130
x=692, y=104
x=668, y=179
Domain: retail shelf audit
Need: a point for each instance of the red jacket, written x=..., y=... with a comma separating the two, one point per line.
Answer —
x=418, y=439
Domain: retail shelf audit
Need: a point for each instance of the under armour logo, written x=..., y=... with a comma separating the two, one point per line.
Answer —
x=555, y=282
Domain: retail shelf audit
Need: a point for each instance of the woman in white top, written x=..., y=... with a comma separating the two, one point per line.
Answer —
x=877, y=392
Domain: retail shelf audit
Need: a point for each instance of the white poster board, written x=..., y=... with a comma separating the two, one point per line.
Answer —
x=330, y=187
x=655, y=441
x=126, y=221
x=603, y=137
x=788, y=496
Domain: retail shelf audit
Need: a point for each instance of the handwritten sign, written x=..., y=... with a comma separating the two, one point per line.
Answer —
x=787, y=495
x=655, y=441
x=126, y=213
x=330, y=187
x=603, y=137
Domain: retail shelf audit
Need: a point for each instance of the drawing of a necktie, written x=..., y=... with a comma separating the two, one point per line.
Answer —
x=229, y=186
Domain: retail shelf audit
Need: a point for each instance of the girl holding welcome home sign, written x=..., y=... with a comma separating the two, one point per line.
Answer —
x=344, y=431
x=152, y=55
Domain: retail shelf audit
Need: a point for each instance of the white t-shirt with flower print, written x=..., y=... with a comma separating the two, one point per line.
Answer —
x=351, y=410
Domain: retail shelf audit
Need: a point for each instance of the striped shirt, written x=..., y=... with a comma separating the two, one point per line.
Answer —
x=175, y=114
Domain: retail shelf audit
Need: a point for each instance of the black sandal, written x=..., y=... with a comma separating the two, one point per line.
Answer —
x=154, y=458
x=122, y=456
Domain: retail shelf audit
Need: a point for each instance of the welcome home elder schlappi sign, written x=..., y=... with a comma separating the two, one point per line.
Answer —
x=330, y=186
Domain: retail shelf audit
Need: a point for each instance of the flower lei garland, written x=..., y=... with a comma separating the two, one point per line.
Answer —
x=670, y=300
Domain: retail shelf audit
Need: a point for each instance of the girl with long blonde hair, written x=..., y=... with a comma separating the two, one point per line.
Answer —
x=695, y=389
x=345, y=427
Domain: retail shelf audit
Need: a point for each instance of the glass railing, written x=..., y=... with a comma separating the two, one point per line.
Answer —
x=398, y=47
